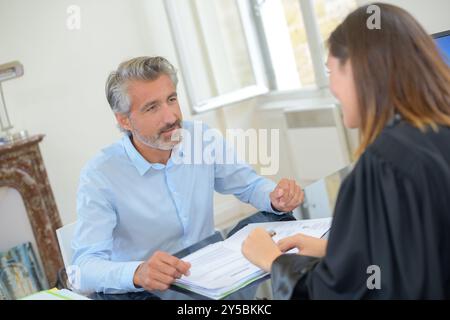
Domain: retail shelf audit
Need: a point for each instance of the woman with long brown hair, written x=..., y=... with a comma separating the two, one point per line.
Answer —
x=390, y=236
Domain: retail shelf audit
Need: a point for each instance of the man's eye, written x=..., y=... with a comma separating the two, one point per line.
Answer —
x=173, y=99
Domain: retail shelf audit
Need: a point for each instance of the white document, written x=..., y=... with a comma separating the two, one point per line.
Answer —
x=220, y=268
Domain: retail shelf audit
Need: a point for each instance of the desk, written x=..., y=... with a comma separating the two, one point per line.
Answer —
x=320, y=198
x=247, y=293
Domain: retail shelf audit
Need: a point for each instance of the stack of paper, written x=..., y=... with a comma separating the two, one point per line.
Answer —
x=220, y=269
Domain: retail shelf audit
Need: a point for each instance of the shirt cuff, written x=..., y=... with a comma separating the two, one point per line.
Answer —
x=271, y=209
x=126, y=279
x=274, y=210
x=266, y=190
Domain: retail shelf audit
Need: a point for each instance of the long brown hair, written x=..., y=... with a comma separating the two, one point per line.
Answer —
x=396, y=69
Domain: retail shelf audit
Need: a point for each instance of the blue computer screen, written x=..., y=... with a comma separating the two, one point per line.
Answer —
x=444, y=45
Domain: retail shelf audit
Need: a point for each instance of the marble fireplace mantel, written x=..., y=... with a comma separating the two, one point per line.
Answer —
x=22, y=168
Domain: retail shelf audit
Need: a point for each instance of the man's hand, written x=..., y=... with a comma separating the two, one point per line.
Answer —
x=287, y=195
x=160, y=271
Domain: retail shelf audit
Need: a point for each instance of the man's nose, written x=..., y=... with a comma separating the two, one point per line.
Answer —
x=169, y=116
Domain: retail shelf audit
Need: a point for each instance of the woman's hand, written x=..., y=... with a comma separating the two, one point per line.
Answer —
x=260, y=249
x=307, y=246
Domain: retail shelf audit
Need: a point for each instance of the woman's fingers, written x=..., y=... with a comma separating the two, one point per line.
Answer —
x=287, y=244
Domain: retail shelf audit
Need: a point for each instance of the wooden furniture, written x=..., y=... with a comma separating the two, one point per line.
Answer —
x=22, y=168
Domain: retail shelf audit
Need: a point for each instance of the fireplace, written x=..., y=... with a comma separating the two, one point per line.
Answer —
x=22, y=168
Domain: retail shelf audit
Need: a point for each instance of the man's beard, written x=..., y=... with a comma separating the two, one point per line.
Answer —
x=158, y=142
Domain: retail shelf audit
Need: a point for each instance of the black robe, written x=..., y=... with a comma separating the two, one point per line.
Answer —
x=393, y=211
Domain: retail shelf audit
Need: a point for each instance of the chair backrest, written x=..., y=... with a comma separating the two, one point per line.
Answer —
x=65, y=235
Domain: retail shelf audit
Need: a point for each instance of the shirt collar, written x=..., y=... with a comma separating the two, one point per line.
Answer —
x=136, y=158
x=140, y=163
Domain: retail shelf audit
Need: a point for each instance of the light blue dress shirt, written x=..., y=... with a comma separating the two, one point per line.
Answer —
x=129, y=208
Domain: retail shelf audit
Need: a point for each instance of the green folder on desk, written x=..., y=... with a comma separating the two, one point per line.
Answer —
x=55, y=294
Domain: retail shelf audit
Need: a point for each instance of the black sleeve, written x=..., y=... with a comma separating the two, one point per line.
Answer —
x=288, y=275
x=381, y=219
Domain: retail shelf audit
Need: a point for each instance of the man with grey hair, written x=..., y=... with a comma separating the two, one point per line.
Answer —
x=136, y=206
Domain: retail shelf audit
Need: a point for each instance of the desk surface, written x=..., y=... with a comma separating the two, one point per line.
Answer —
x=322, y=191
x=175, y=293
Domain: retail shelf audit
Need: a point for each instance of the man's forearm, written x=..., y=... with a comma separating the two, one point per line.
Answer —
x=99, y=275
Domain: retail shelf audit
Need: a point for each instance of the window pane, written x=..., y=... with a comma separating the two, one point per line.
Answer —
x=330, y=13
x=217, y=47
x=234, y=43
x=299, y=42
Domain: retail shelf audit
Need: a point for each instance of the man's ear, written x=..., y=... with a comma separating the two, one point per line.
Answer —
x=123, y=121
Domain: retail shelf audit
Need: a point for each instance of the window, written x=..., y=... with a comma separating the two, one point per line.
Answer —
x=309, y=23
x=218, y=50
x=231, y=50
